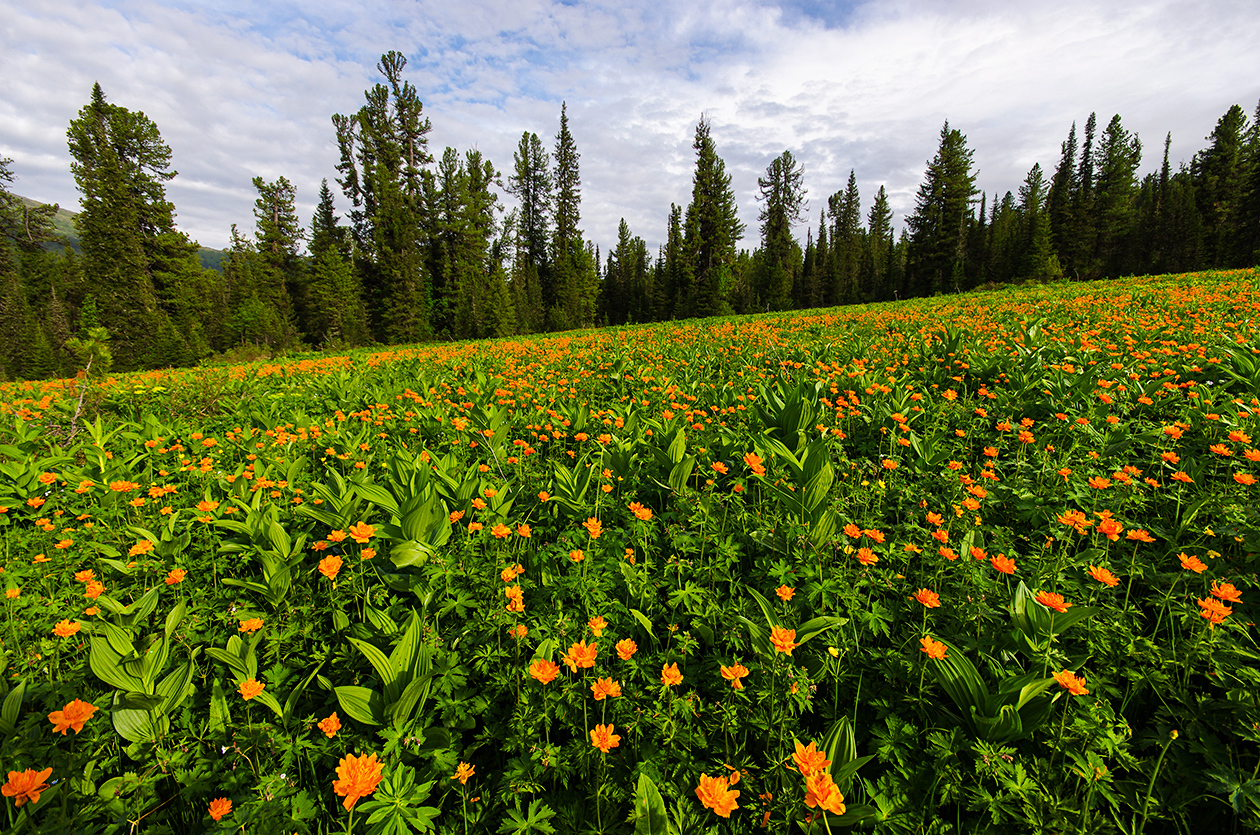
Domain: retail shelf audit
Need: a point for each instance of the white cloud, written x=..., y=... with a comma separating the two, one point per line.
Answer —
x=243, y=90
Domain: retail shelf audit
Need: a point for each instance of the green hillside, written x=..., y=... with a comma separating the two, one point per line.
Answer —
x=63, y=222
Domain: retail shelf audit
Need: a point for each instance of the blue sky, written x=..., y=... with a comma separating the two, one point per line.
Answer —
x=245, y=89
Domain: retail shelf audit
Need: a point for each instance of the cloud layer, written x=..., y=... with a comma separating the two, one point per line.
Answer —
x=244, y=89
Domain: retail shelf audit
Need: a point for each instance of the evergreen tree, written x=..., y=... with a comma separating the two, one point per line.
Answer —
x=1119, y=154
x=531, y=185
x=674, y=280
x=1247, y=240
x=713, y=229
x=936, y=260
x=782, y=196
x=879, y=238
x=845, y=209
x=463, y=241
x=280, y=274
x=139, y=261
x=336, y=315
x=1220, y=181
x=1059, y=198
x=574, y=275
x=384, y=154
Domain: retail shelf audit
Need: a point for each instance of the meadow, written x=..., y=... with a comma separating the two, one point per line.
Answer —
x=961, y=564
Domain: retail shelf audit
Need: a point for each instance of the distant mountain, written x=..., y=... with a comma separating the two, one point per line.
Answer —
x=63, y=222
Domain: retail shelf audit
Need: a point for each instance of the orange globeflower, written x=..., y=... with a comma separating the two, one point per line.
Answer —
x=523, y=531
x=1214, y=610
x=593, y=527
x=462, y=772
x=1139, y=535
x=1191, y=563
x=1003, y=563
x=85, y=576
x=670, y=675
x=92, y=590
x=928, y=598
x=206, y=506
x=821, y=790
x=144, y=546
x=1226, y=591
x=251, y=625
x=934, y=518
x=330, y=725
x=605, y=688
x=249, y=688
x=866, y=557
x=329, y=566
x=755, y=463
x=516, y=599
x=576, y=555
x=175, y=576
x=1111, y=529
x=934, y=649
x=220, y=808
x=1071, y=682
x=716, y=794
x=1104, y=576
x=544, y=671
x=603, y=738
x=510, y=573
x=64, y=544
x=25, y=785
x=785, y=592
x=361, y=532
x=1052, y=601
x=853, y=531
x=74, y=715
x=626, y=649
x=784, y=640
x=66, y=628
x=501, y=531
x=808, y=758
x=640, y=512
x=597, y=625
x=580, y=655
x=1245, y=479
x=735, y=675
x=357, y=777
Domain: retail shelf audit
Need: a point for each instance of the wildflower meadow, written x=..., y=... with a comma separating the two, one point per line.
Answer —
x=951, y=565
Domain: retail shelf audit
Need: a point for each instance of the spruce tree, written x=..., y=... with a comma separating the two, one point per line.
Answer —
x=782, y=196
x=1115, y=194
x=336, y=315
x=879, y=239
x=712, y=228
x=936, y=259
x=530, y=183
x=1220, y=181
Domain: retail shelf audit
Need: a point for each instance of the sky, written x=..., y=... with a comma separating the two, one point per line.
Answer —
x=245, y=89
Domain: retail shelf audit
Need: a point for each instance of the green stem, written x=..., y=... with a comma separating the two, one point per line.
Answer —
x=1150, y=787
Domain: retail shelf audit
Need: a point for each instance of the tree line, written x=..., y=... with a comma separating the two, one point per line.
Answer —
x=424, y=248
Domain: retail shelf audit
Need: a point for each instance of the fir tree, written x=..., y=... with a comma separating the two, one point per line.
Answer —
x=939, y=227
x=782, y=196
x=712, y=229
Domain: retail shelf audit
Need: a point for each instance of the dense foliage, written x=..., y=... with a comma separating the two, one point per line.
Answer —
x=426, y=250
x=974, y=563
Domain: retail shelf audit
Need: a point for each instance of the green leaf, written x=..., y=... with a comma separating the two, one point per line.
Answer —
x=361, y=704
x=12, y=708
x=385, y=669
x=649, y=809
x=535, y=820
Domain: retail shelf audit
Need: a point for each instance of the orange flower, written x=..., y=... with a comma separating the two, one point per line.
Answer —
x=74, y=715
x=1103, y=576
x=175, y=576
x=1181, y=475
x=1226, y=591
x=367, y=553
x=593, y=527
x=1245, y=479
x=220, y=808
x=64, y=544
x=1111, y=529
x=866, y=557
x=510, y=573
x=251, y=625
x=852, y=531
x=873, y=534
x=670, y=675
x=640, y=512
x=576, y=555
x=501, y=531
x=473, y=527
x=66, y=628
x=785, y=592
x=1139, y=535
x=934, y=519
x=720, y=468
x=336, y=536
x=144, y=546
x=605, y=688
x=516, y=599
x=523, y=531
x=361, y=532
x=330, y=725
x=626, y=649
x=1003, y=563
x=1190, y=563
x=462, y=772
x=86, y=576
x=357, y=777
x=1214, y=611
x=250, y=688
x=597, y=625
x=940, y=535
x=603, y=738
x=821, y=790
x=580, y=655
x=206, y=506
x=1052, y=601
x=544, y=671
x=755, y=463
x=928, y=598
x=735, y=675
x=808, y=758
x=784, y=640
x=934, y=649
x=1071, y=682
x=25, y=785
x=716, y=794
x=92, y=590
x=329, y=566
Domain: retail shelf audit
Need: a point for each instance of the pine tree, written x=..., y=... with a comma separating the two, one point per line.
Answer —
x=712, y=229
x=384, y=154
x=126, y=226
x=782, y=196
x=936, y=260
